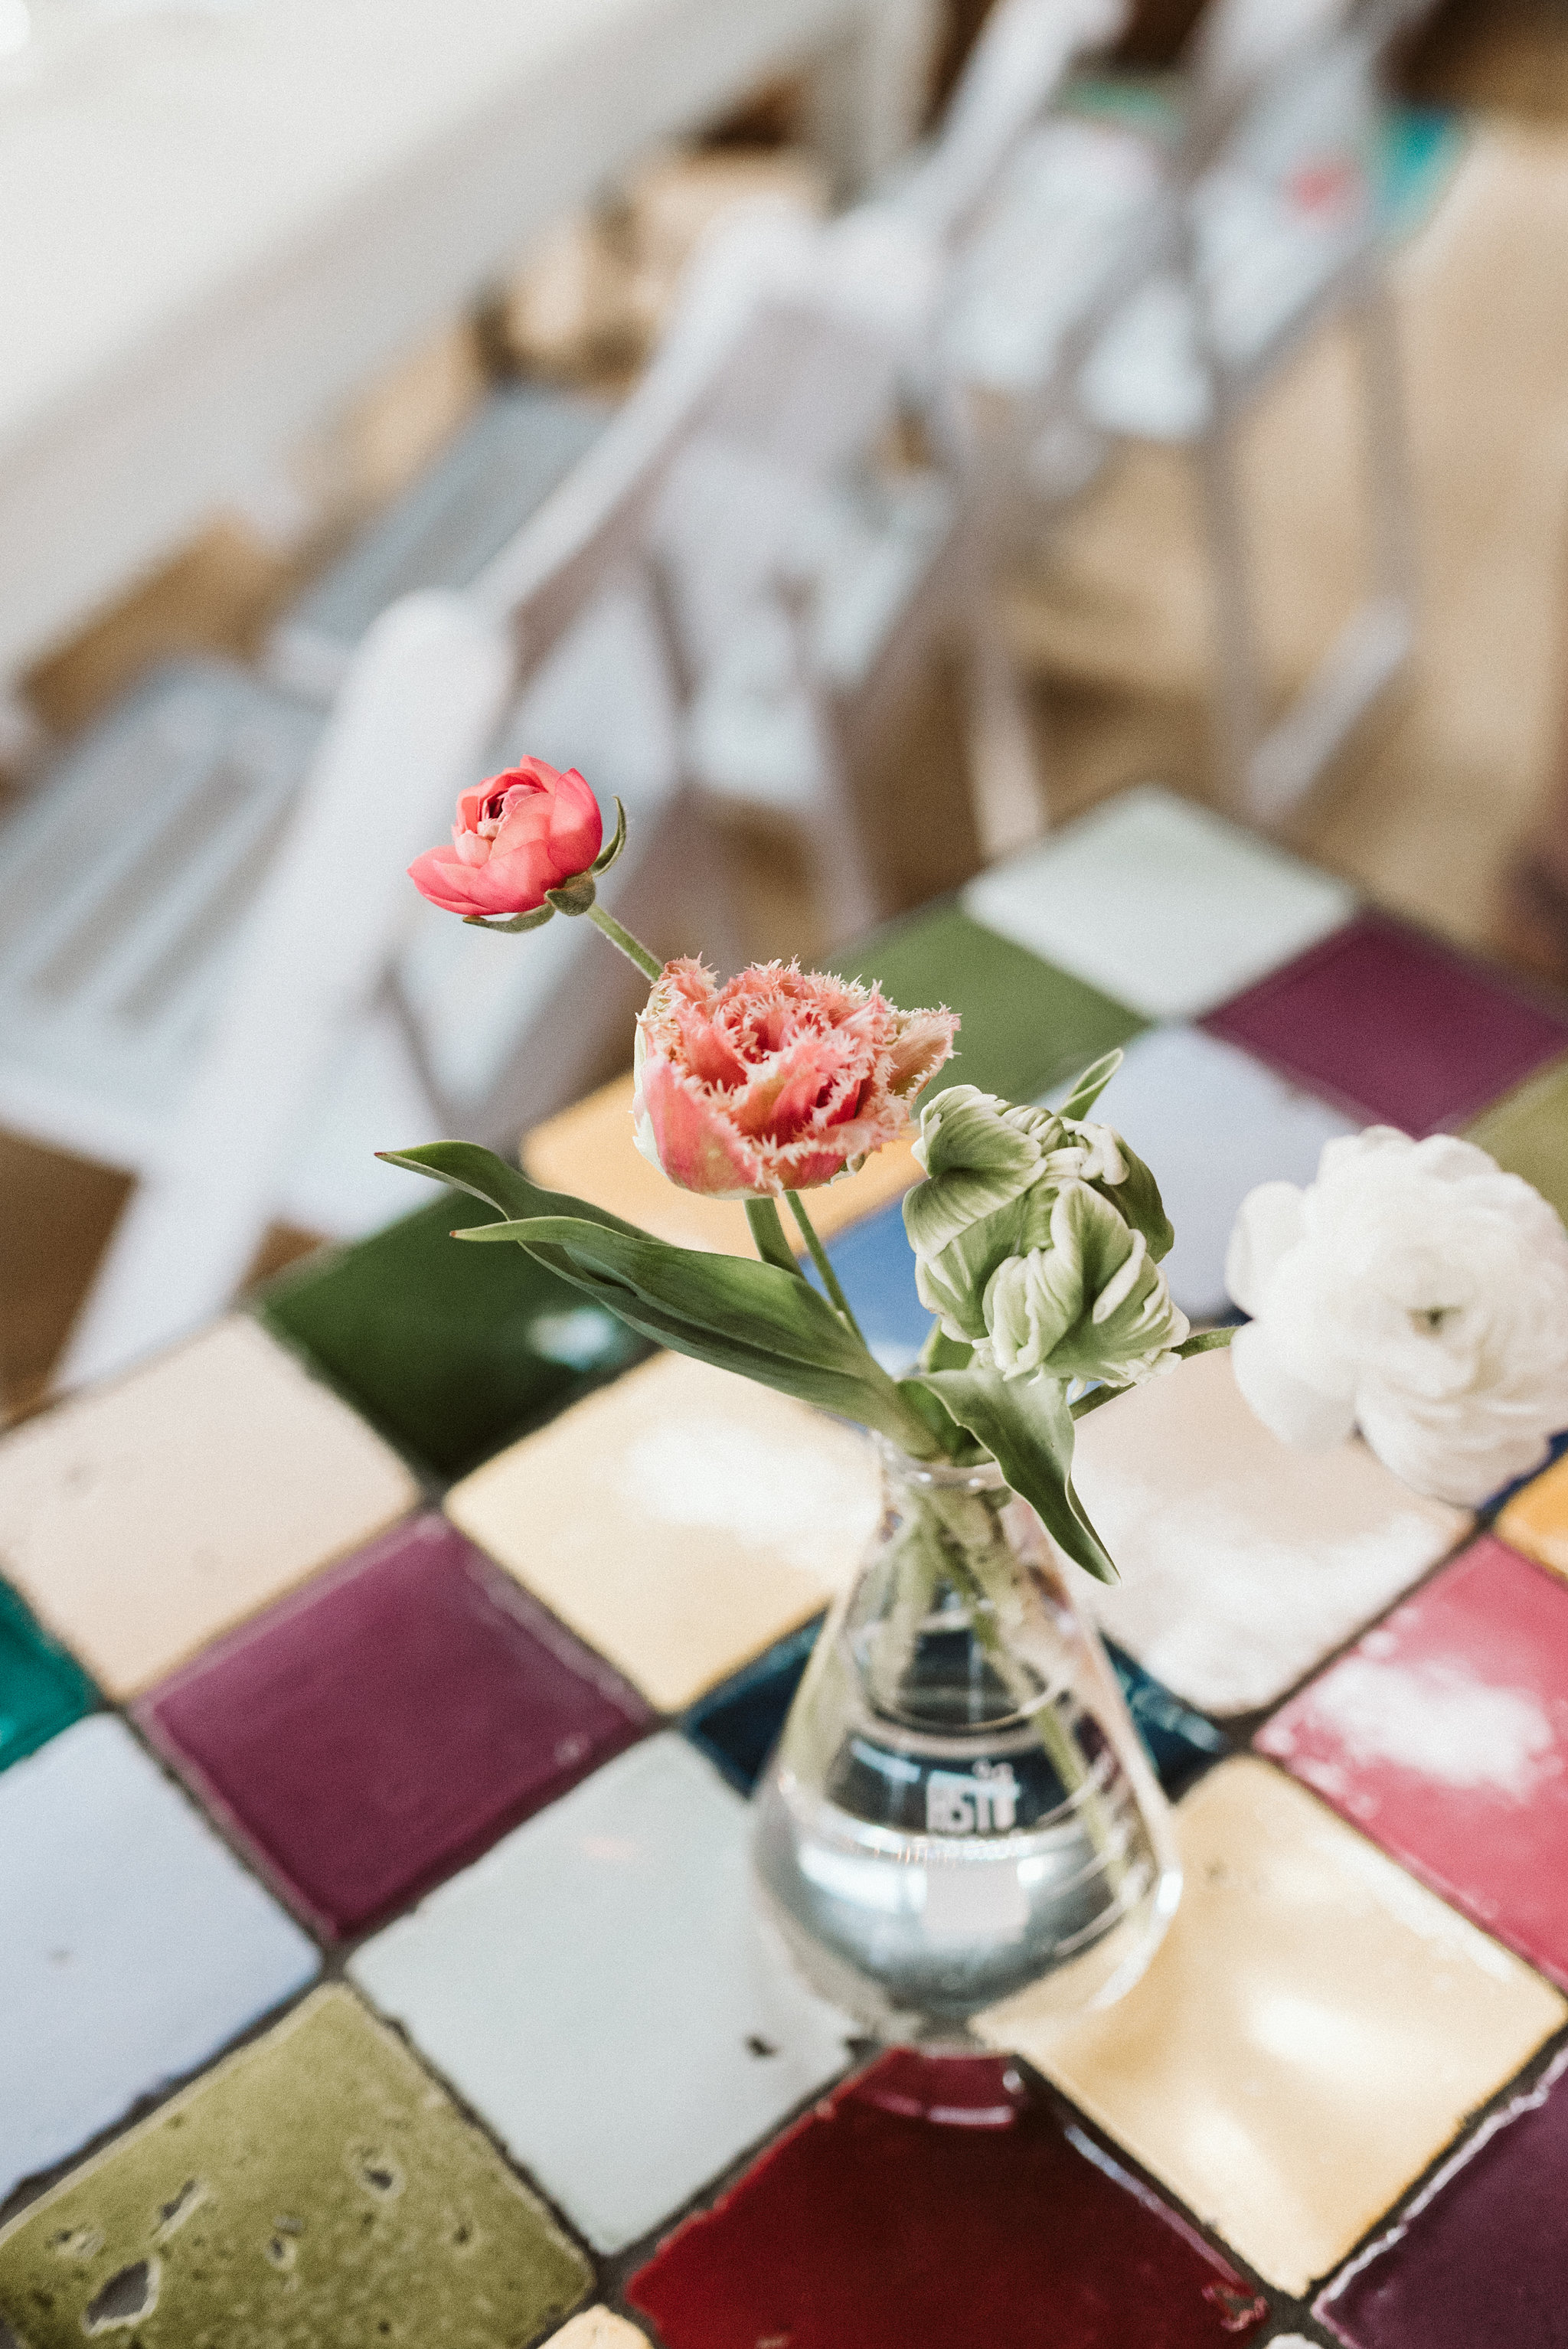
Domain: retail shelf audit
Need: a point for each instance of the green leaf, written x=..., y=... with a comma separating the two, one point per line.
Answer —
x=607, y=855
x=513, y=923
x=1026, y=1426
x=468, y=1167
x=753, y=1318
x=1088, y=1088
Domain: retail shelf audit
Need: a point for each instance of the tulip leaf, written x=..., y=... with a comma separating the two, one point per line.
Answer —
x=468, y=1167
x=754, y=1318
x=1088, y=1088
x=1026, y=1426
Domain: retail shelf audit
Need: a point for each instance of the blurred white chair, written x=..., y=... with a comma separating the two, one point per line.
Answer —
x=1123, y=287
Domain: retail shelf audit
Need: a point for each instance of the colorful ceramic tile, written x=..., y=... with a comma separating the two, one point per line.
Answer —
x=1443, y=1735
x=1027, y=1024
x=937, y=2199
x=382, y=1727
x=1396, y=1028
x=596, y=1989
x=1163, y=904
x=42, y=1689
x=1528, y=1134
x=141, y=1519
x=451, y=1350
x=1212, y=1122
x=680, y=1521
x=1313, y=2030
x=737, y=1726
x=588, y=1152
x=133, y=1944
x=317, y=2187
x=599, y=2328
x=1244, y=1562
x=1536, y=1519
x=875, y=1267
x=1480, y=2260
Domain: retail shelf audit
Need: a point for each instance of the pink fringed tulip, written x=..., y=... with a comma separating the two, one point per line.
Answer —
x=516, y=836
x=777, y=1080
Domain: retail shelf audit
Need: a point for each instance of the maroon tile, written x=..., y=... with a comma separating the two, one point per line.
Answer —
x=1480, y=2259
x=1394, y=1028
x=1443, y=1735
x=385, y=1724
x=939, y=2199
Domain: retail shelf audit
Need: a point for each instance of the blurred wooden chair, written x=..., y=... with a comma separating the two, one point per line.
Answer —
x=1132, y=284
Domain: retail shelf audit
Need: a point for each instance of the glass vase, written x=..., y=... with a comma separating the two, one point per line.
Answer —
x=959, y=1808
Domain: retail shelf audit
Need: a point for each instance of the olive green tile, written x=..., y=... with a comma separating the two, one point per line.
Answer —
x=1527, y=1131
x=1025, y=1024
x=452, y=1350
x=317, y=2188
x=42, y=1689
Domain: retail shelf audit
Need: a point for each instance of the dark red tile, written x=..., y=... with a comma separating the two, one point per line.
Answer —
x=1480, y=2259
x=938, y=2201
x=1394, y=1028
x=381, y=1728
x=1443, y=1735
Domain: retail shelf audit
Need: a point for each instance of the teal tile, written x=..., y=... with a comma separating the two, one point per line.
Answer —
x=42, y=1689
x=1027, y=1024
x=452, y=1350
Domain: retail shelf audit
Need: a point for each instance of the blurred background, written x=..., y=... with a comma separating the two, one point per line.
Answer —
x=861, y=433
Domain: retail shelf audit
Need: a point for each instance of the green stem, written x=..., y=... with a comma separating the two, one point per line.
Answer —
x=819, y=1259
x=633, y=948
x=768, y=1234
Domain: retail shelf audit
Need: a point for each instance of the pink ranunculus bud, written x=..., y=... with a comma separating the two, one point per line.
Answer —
x=777, y=1080
x=516, y=836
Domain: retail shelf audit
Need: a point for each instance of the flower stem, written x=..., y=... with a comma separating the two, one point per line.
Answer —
x=633, y=948
x=768, y=1234
x=819, y=1259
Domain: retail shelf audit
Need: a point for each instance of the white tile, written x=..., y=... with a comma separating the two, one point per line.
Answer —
x=592, y=1987
x=1163, y=904
x=133, y=1944
x=1212, y=1122
x=1244, y=1563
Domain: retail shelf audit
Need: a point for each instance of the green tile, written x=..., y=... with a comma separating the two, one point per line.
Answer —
x=1025, y=1024
x=1528, y=1134
x=42, y=1689
x=317, y=2188
x=452, y=1350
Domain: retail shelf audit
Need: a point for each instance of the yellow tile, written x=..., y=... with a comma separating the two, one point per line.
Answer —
x=680, y=1520
x=599, y=2328
x=589, y=1150
x=1314, y=2030
x=1536, y=1519
x=141, y=1519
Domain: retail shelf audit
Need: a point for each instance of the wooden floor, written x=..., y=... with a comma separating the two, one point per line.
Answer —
x=1427, y=807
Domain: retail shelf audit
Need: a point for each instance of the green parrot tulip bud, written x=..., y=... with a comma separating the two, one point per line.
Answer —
x=994, y=1170
x=1089, y=1304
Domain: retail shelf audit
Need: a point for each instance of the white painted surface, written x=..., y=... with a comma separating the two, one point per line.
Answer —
x=216, y=224
x=1163, y=904
x=133, y=1944
x=590, y=1987
x=1212, y=1122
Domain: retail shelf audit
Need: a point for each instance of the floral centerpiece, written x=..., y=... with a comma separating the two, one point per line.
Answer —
x=959, y=1809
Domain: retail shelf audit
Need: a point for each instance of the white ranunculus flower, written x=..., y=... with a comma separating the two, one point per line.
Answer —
x=1416, y=1290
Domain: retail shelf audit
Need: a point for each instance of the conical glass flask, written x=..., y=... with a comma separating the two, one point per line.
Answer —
x=959, y=1808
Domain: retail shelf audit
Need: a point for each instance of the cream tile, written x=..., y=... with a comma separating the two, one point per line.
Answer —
x=1242, y=1562
x=599, y=2328
x=1536, y=1519
x=589, y=1150
x=598, y=1989
x=1314, y=2030
x=1163, y=904
x=680, y=1520
x=141, y=1519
